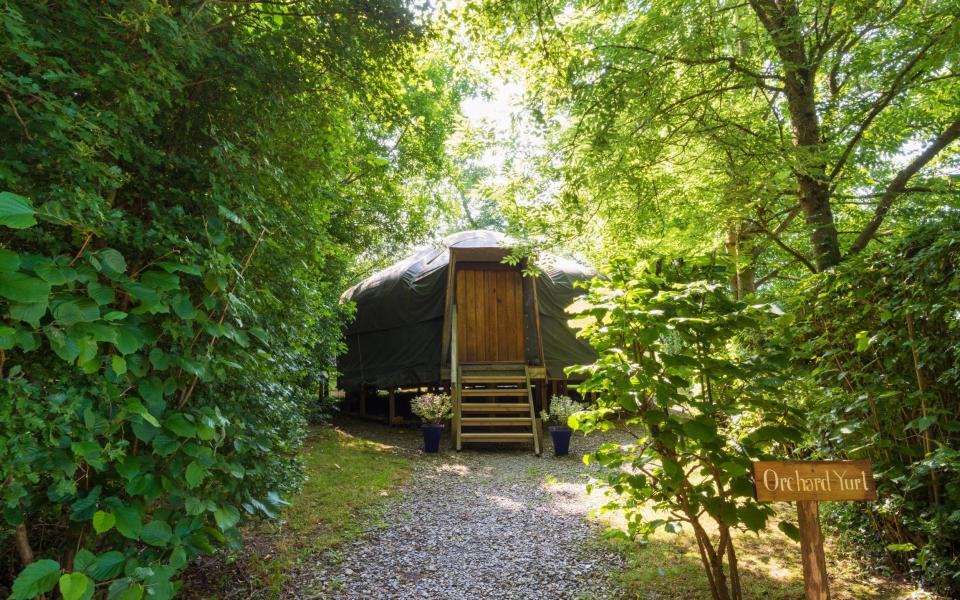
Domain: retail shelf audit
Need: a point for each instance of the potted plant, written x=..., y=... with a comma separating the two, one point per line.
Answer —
x=561, y=407
x=434, y=409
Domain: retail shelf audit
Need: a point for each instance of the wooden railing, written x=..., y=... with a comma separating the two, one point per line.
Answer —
x=454, y=376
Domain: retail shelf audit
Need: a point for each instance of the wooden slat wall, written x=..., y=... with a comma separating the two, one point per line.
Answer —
x=490, y=308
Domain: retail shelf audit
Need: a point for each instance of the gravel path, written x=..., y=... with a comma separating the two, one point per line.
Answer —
x=488, y=523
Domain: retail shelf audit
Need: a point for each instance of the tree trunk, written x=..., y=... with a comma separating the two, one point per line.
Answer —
x=23, y=544
x=743, y=281
x=784, y=25
x=811, y=175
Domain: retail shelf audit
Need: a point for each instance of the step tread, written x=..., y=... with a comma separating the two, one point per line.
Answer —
x=495, y=421
x=496, y=437
x=493, y=379
x=494, y=407
x=486, y=368
x=494, y=392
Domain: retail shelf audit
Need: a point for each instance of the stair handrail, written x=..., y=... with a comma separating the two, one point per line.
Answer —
x=455, y=374
x=535, y=429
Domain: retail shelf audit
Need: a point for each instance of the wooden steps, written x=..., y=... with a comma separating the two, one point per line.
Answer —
x=507, y=417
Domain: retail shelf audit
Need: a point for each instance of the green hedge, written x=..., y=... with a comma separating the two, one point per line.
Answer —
x=183, y=189
x=882, y=336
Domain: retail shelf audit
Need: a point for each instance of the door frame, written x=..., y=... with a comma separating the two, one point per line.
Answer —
x=516, y=287
x=490, y=256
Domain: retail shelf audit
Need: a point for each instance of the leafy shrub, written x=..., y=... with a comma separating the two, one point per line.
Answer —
x=183, y=188
x=432, y=408
x=881, y=334
x=701, y=407
x=560, y=410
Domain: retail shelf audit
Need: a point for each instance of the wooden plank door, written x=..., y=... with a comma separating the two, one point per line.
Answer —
x=489, y=314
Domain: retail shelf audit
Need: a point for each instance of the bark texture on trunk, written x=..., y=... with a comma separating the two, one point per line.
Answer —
x=783, y=23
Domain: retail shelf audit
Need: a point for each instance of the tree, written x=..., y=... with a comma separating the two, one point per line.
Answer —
x=676, y=370
x=732, y=120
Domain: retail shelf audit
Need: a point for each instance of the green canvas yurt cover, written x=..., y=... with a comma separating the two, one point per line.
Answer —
x=396, y=337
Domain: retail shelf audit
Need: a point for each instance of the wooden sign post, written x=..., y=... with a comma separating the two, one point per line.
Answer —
x=807, y=483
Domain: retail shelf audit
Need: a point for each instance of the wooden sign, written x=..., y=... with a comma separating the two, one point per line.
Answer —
x=795, y=480
x=807, y=483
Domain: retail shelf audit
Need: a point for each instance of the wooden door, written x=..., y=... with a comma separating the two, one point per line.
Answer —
x=489, y=314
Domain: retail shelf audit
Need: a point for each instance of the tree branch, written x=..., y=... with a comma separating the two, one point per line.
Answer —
x=792, y=252
x=899, y=184
x=896, y=87
x=731, y=62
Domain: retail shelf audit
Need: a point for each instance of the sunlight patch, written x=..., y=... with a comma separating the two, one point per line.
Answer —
x=506, y=503
x=457, y=469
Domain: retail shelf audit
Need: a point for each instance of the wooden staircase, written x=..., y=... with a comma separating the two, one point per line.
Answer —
x=493, y=403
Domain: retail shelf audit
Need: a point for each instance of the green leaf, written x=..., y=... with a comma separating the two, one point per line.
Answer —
x=74, y=586
x=114, y=315
x=130, y=466
x=777, y=433
x=118, y=364
x=106, y=566
x=160, y=280
x=922, y=424
x=21, y=287
x=8, y=337
x=195, y=474
x=103, y=521
x=178, y=558
x=226, y=517
x=16, y=211
x=179, y=424
x=863, y=341
x=136, y=407
x=63, y=344
x=183, y=307
x=83, y=559
x=9, y=260
x=112, y=260
x=699, y=430
x=907, y=547
x=101, y=294
x=791, y=530
x=132, y=591
x=51, y=273
x=195, y=506
x=31, y=313
x=754, y=517
x=37, y=578
x=160, y=359
x=129, y=521
x=88, y=349
x=156, y=533
x=163, y=444
x=129, y=339
x=71, y=312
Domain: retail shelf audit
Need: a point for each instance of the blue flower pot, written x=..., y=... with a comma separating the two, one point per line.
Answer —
x=431, y=436
x=561, y=440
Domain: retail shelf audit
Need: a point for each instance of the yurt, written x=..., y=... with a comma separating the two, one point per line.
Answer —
x=457, y=318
